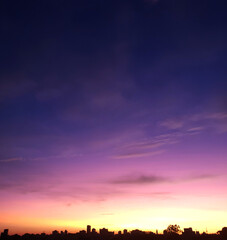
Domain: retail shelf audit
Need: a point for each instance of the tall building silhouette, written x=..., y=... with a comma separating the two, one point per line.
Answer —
x=88, y=229
x=4, y=234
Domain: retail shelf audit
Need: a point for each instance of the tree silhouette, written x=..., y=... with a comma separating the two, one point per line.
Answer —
x=171, y=229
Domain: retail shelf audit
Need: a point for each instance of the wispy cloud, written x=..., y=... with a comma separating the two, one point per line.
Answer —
x=146, y=144
x=197, y=122
x=57, y=189
x=199, y=177
x=146, y=148
x=138, y=155
x=159, y=194
x=8, y=160
x=154, y=179
x=217, y=116
x=172, y=124
x=195, y=129
x=142, y=179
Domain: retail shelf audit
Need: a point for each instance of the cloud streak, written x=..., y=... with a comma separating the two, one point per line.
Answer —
x=138, y=155
x=197, y=122
x=144, y=179
x=144, y=148
x=9, y=160
x=176, y=130
x=172, y=124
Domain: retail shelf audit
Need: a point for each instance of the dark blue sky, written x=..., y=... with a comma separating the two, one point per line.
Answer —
x=86, y=69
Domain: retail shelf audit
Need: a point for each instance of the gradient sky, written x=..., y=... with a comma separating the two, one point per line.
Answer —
x=114, y=114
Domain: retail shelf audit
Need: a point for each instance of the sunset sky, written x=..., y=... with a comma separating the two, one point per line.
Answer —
x=113, y=114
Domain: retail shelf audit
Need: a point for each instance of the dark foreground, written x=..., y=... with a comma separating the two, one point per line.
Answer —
x=104, y=234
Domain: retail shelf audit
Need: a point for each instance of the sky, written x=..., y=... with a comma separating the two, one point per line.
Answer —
x=113, y=114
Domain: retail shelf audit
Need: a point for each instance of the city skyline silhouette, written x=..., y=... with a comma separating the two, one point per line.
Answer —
x=171, y=232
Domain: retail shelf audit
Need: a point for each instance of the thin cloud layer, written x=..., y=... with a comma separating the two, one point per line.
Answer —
x=9, y=160
x=138, y=155
x=197, y=122
x=142, y=179
x=154, y=179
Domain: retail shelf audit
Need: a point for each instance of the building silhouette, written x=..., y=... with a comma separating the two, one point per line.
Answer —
x=105, y=234
x=88, y=229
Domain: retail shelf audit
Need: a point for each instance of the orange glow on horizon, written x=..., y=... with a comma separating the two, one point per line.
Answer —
x=146, y=220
